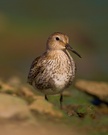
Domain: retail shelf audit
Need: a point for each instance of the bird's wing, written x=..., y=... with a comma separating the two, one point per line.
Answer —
x=34, y=69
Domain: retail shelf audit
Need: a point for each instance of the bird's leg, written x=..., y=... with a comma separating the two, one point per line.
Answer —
x=61, y=101
x=46, y=97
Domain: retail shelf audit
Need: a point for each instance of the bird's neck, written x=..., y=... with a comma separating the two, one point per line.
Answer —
x=58, y=53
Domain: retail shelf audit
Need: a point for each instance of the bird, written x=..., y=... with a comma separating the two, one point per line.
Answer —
x=54, y=70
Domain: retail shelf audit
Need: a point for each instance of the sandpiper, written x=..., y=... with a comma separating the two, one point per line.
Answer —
x=53, y=71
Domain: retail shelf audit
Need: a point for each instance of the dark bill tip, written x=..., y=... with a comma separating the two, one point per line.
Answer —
x=76, y=53
x=68, y=47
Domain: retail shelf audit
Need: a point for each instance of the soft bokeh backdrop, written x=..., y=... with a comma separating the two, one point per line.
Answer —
x=25, y=26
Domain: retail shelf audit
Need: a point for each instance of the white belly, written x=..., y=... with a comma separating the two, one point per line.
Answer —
x=61, y=80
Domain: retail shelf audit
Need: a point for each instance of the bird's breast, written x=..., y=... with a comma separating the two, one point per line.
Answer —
x=62, y=68
x=56, y=72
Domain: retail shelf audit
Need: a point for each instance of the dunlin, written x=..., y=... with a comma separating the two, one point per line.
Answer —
x=53, y=71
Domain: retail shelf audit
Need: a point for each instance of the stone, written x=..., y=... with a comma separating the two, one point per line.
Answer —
x=6, y=88
x=97, y=89
x=13, y=107
x=42, y=106
x=26, y=91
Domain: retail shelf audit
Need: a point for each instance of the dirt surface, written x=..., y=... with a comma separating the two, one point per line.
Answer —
x=23, y=112
x=16, y=128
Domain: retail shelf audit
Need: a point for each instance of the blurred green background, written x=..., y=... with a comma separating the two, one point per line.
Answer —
x=26, y=24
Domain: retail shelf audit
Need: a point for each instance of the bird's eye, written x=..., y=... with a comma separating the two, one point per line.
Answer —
x=57, y=38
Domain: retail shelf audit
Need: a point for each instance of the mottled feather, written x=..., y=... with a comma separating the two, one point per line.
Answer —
x=34, y=69
x=55, y=69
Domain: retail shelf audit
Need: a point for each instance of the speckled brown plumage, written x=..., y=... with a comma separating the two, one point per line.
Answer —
x=54, y=70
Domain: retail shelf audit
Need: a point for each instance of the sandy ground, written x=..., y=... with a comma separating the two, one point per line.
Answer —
x=16, y=128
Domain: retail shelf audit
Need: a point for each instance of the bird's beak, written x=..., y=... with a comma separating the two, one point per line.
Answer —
x=68, y=47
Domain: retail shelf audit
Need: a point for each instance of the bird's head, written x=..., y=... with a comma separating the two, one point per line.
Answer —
x=59, y=41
